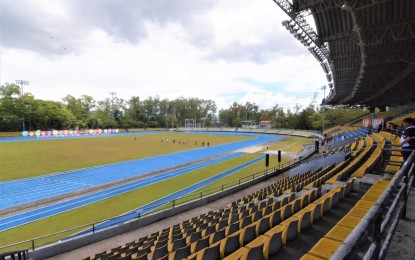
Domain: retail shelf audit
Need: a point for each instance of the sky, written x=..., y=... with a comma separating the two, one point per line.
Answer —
x=226, y=51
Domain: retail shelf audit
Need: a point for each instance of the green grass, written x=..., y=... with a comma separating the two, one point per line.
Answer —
x=126, y=202
x=28, y=159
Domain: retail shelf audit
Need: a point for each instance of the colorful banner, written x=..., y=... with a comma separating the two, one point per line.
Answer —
x=39, y=133
x=375, y=122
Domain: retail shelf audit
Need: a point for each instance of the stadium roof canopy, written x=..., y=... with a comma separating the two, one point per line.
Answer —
x=366, y=47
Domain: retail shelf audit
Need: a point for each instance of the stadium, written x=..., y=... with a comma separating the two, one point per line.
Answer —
x=249, y=192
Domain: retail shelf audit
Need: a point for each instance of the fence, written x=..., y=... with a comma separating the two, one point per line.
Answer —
x=381, y=226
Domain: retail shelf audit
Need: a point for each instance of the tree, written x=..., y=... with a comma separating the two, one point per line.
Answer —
x=81, y=108
x=9, y=90
x=10, y=108
x=51, y=115
x=153, y=112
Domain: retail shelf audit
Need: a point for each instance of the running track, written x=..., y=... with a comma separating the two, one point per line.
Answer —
x=18, y=192
x=40, y=187
x=44, y=212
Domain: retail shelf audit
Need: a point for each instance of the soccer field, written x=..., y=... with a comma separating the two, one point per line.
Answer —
x=99, y=148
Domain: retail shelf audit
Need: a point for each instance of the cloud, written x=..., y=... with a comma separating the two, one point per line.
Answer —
x=237, y=32
x=59, y=27
x=268, y=100
x=31, y=26
x=221, y=50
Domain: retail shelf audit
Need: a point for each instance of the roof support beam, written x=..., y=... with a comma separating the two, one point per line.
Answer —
x=357, y=29
x=393, y=32
x=409, y=69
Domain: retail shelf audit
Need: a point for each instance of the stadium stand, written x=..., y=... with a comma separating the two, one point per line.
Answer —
x=256, y=219
x=369, y=46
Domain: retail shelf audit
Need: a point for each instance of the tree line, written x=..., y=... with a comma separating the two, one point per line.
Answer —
x=87, y=113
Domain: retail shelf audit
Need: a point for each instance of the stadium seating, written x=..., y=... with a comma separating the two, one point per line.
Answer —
x=260, y=224
x=326, y=247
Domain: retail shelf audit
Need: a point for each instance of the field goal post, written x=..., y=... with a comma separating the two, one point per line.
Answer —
x=198, y=127
x=189, y=125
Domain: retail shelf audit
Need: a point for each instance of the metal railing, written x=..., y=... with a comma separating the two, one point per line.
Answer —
x=19, y=254
x=381, y=226
x=34, y=243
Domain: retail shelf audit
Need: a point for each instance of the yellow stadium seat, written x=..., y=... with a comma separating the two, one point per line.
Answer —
x=230, y=244
x=324, y=248
x=366, y=204
x=290, y=230
x=304, y=219
x=349, y=221
x=309, y=257
x=370, y=196
x=315, y=211
x=358, y=212
x=338, y=233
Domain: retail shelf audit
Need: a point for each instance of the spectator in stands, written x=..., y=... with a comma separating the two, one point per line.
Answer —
x=392, y=126
x=369, y=129
x=408, y=137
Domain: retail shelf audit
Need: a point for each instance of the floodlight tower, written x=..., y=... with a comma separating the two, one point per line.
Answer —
x=324, y=106
x=165, y=115
x=22, y=83
x=112, y=103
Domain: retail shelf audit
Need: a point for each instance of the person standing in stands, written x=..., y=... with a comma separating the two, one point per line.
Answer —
x=408, y=137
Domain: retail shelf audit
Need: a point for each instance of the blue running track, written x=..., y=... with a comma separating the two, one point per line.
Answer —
x=18, y=192
x=37, y=214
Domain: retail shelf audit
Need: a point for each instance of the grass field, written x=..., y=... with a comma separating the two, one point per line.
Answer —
x=126, y=202
x=27, y=159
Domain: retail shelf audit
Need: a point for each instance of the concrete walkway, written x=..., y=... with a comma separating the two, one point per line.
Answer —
x=403, y=242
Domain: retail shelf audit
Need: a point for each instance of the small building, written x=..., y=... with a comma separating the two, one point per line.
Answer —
x=265, y=124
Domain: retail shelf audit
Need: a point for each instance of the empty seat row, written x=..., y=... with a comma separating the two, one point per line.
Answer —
x=212, y=226
x=328, y=245
x=269, y=243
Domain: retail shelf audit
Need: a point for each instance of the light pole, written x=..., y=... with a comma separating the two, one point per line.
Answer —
x=21, y=83
x=324, y=106
x=112, y=103
x=165, y=116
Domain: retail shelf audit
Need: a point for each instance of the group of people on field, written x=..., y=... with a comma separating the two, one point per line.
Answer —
x=182, y=141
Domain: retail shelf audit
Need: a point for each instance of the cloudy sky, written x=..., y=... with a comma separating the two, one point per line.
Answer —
x=233, y=50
